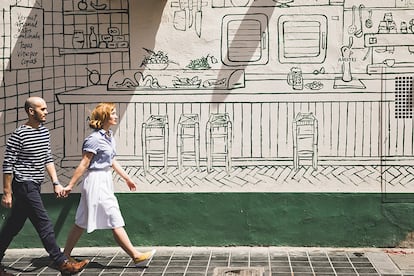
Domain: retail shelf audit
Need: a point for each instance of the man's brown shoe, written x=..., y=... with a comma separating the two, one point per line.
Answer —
x=69, y=267
x=71, y=259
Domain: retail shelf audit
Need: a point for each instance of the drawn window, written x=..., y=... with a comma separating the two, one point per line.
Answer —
x=403, y=97
x=302, y=38
x=245, y=39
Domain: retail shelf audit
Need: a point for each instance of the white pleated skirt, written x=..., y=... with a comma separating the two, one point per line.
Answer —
x=98, y=207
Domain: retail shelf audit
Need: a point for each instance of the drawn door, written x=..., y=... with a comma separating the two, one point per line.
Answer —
x=245, y=39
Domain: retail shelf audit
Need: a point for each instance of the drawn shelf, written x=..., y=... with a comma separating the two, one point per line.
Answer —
x=84, y=34
x=94, y=12
x=67, y=51
x=388, y=39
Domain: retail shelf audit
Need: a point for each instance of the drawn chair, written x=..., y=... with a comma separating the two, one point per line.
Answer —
x=305, y=139
x=155, y=139
x=188, y=129
x=219, y=139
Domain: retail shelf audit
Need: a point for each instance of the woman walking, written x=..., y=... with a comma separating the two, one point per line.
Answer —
x=98, y=207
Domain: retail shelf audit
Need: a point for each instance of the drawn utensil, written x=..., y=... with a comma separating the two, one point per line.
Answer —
x=180, y=20
x=190, y=13
x=358, y=33
x=350, y=42
x=198, y=19
x=367, y=53
x=180, y=17
x=352, y=28
x=368, y=22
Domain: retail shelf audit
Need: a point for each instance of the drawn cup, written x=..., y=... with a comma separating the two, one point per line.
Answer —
x=389, y=62
x=78, y=39
x=382, y=27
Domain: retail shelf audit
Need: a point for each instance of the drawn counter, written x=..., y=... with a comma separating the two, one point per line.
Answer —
x=355, y=126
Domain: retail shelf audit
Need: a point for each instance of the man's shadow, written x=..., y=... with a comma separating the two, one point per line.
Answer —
x=36, y=264
x=39, y=263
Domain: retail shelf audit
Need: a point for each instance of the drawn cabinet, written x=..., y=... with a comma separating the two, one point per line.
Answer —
x=302, y=38
x=245, y=39
x=95, y=26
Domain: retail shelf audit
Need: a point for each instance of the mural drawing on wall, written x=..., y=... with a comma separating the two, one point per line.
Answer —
x=224, y=95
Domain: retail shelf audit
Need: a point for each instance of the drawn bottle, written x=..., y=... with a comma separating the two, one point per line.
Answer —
x=93, y=38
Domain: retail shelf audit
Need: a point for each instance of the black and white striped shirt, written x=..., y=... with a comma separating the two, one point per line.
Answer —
x=27, y=152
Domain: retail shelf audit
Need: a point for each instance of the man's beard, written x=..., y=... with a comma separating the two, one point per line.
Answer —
x=38, y=118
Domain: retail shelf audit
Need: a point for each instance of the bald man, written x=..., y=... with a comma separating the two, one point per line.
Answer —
x=27, y=157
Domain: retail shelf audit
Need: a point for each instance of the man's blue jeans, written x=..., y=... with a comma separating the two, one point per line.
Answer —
x=27, y=203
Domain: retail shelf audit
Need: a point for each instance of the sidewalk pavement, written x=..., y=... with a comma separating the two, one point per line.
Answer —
x=226, y=261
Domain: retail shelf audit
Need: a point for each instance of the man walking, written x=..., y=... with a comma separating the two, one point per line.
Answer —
x=27, y=157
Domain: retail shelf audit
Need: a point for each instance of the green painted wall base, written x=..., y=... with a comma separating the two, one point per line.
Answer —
x=226, y=219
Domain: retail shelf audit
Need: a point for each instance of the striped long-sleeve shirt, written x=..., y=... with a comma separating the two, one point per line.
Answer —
x=27, y=153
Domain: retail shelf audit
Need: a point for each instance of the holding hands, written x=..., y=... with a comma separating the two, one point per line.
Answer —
x=67, y=190
x=59, y=190
x=62, y=192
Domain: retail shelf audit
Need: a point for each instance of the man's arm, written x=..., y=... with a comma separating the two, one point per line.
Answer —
x=57, y=187
x=7, y=199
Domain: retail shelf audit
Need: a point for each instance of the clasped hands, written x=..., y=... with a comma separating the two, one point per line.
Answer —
x=62, y=192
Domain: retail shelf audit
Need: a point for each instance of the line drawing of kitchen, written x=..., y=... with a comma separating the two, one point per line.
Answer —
x=221, y=85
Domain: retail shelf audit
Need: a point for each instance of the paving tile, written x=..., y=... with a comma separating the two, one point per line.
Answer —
x=203, y=261
x=300, y=269
x=197, y=269
x=281, y=268
x=198, y=262
x=323, y=270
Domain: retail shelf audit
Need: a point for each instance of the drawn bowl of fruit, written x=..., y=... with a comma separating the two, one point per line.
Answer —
x=155, y=60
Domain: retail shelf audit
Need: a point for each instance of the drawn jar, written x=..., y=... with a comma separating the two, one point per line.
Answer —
x=78, y=39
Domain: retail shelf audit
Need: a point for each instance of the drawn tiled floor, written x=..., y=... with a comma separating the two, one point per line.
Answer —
x=264, y=178
x=327, y=178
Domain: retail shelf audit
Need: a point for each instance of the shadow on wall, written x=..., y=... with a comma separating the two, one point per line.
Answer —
x=148, y=17
x=220, y=95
